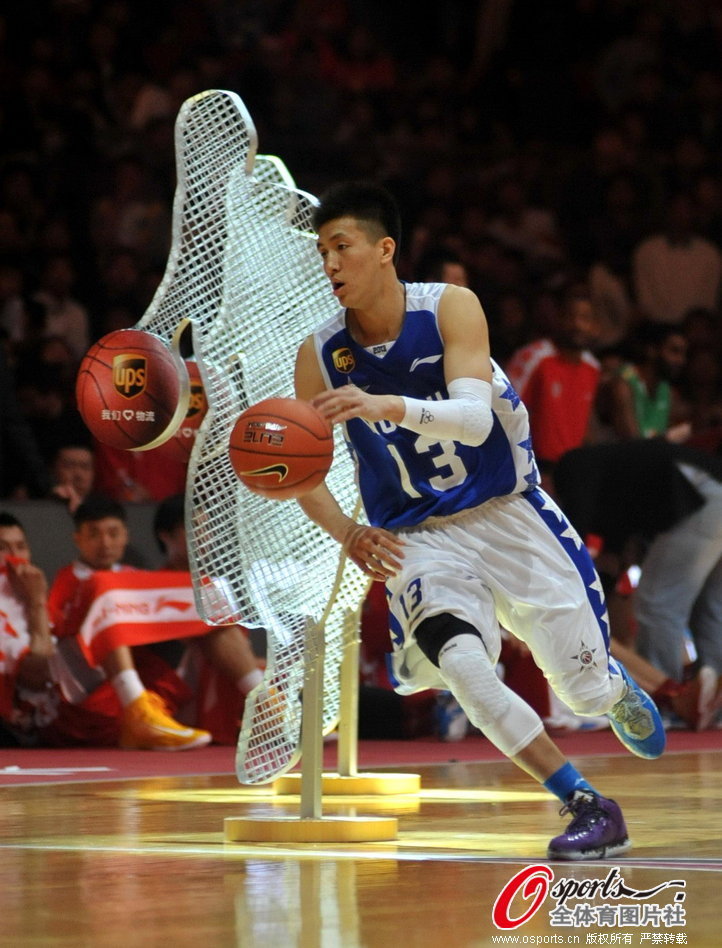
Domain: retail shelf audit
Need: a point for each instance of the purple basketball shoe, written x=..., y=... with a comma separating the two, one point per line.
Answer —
x=596, y=831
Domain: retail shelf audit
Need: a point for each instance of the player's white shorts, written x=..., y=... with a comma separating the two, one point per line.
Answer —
x=514, y=561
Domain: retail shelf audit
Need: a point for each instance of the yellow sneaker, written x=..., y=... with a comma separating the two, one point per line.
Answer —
x=148, y=726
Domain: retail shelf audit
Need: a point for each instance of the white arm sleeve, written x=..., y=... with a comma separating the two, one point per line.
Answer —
x=464, y=416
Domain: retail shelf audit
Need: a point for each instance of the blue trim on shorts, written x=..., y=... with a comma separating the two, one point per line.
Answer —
x=396, y=634
x=579, y=555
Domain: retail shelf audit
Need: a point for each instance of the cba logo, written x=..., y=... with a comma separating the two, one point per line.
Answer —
x=130, y=375
x=197, y=402
x=343, y=360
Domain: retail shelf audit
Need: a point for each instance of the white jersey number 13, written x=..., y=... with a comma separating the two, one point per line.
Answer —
x=455, y=474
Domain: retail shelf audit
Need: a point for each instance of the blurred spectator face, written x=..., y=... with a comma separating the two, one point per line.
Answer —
x=101, y=543
x=512, y=313
x=703, y=369
x=59, y=276
x=122, y=273
x=54, y=350
x=511, y=198
x=176, y=547
x=700, y=329
x=454, y=273
x=75, y=466
x=578, y=327
x=10, y=237
x=680, y=216
x=672, y=356
x=11, y=281
x=13, y=542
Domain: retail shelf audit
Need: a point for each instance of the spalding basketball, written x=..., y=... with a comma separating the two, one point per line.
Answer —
x=130, y=390
x=281, y=448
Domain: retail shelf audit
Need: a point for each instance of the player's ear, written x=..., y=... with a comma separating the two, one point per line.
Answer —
x=388, y=248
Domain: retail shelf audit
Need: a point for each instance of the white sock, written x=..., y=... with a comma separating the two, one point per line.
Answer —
x=128, y=686
x=249, y=681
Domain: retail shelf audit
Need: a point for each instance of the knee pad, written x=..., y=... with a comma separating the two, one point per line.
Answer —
x=505, y=718
x=433, y=633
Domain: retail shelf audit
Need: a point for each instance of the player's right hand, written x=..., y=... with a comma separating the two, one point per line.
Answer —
x=376, y=551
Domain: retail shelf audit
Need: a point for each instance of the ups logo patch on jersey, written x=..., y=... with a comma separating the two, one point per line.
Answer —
x=343, y=360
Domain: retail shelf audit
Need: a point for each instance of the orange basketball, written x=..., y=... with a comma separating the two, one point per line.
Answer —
x=281, y=448
x=129, y=388
x=179, y=447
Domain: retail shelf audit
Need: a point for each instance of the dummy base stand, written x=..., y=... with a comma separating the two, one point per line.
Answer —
x=347, y=781
x=310, y=826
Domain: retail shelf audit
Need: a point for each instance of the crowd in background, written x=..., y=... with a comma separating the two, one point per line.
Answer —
x=535, y=141
x=534, y=146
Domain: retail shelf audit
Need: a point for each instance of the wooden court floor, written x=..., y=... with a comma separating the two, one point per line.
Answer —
x=144, y=862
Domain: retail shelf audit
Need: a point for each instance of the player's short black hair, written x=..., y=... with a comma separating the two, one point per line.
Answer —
x=9, y=520
x=98, y=507
x=169, y=514
x=367, y=202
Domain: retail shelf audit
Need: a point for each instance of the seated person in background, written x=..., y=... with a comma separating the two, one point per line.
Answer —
x=73, y=469
x=670, y=497
x=224, y=655
x=443, y=265
x=49, y=695
x=641, y=399
x=216, y=687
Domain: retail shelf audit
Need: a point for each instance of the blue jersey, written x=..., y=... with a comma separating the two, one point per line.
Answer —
x=405, y=477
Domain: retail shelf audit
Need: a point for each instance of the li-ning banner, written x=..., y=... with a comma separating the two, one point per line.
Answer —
x=135, y=608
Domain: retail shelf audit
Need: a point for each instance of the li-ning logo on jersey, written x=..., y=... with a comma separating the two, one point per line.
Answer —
x=425, y=360
x=343, y=360
x=130, y=375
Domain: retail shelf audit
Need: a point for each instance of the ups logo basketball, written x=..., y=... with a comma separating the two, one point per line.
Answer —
x=343, y=360
x=130, y=374
x=197, y=401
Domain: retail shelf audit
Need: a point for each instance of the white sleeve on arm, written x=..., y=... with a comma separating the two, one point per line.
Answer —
x=464, y=416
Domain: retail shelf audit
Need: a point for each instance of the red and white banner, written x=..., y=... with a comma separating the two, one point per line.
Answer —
x=135, y=608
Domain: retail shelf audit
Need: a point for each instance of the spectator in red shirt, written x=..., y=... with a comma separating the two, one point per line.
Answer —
x=557, y=377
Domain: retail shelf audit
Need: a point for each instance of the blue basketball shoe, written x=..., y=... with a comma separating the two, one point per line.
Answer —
x=597, y=829
x=636, y=721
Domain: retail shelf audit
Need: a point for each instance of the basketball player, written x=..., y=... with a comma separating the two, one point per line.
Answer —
x=459, y=529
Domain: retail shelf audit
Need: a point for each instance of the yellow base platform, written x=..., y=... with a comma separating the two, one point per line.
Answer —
x=353, y=785
x=329, y=829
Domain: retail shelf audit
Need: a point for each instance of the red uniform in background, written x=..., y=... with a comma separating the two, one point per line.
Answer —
x=558, y=392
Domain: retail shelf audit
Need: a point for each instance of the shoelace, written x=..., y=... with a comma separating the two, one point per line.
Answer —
x=578, y=806
x=629, y=710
